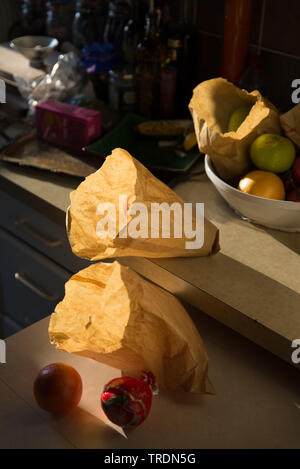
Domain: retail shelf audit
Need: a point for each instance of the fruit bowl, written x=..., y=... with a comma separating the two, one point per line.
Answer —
x=277, y=214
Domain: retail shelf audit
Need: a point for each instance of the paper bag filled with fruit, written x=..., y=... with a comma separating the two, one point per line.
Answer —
x=114, y=316
x=119, y=211
x=290, y=122
x=227, y=120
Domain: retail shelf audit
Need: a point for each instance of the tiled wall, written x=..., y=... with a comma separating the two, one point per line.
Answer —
x=280, y=54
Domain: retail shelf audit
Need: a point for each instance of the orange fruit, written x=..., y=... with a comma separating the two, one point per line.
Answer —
x=58, y=388
x=263, y=184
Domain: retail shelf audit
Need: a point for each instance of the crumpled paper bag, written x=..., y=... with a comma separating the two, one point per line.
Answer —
x=290, y=122
x=211, y=106
x=112, y=315
x=121, y=174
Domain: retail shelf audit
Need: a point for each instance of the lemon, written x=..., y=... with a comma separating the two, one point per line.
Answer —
x=263, y=184
x=237, y=118
x=272, y=152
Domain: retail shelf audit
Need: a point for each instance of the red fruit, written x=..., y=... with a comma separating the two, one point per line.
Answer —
x=127, y=401
x=296, y=170
x=288, y=181
x=294, y=196
x=58, y=388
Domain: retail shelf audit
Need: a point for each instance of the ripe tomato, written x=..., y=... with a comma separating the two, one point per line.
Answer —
x=58, y=388
x=294, y=196
x=296, y=170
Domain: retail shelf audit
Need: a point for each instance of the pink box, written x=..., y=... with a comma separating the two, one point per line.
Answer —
x=71, y=126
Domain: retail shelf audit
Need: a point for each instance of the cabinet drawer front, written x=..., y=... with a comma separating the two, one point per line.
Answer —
x=31, y=284
x=8, y=327
x=38, y=231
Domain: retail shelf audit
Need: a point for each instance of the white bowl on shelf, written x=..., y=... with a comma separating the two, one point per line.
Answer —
x=277, y=214
x=35, y=48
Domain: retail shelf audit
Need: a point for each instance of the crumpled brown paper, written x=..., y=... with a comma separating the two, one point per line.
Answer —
x=211, y=106
x=121, y=174
x=114, y=316
x=290, y=122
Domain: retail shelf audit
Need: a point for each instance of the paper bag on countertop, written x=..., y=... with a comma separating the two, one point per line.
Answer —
x=290, y=122
x=123, y=176
x=114, y=316
x=211, y=106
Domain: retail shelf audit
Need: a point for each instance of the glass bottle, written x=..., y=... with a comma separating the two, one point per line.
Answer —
x=151, y=54
x=59, y=19
x=118, y=16
x=122, y=90
x=132, y=35
x=169, y=79
x=187, y=78
x=89, y=22
x=33, y=17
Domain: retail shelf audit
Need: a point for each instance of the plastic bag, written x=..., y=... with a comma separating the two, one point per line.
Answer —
x=65, y=79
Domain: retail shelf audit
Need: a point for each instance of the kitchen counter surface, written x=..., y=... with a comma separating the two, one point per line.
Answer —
x=252, y=285
x=257, y=401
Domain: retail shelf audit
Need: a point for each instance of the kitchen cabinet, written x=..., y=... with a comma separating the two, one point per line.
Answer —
x=38, y=231
x=31, y=283
x=36, y=261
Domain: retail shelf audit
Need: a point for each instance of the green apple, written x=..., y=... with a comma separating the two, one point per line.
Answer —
x=271, y=152
x=237, y=118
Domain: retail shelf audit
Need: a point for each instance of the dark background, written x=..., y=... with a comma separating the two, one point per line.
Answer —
x=280, y=44
x=280, y=41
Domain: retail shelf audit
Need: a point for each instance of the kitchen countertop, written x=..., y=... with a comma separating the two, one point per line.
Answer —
x=252, y=285
x=257, y=401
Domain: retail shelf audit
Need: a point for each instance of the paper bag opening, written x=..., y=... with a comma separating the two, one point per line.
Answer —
x=211, y=106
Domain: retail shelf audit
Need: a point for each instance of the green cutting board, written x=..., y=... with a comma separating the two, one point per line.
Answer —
x=144, y=149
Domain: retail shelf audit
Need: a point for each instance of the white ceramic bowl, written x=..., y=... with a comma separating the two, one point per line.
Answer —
x=278, y=214
x=35, y=48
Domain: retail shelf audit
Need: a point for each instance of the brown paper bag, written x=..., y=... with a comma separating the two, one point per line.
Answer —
x=211, y=106
x=114, y=316
x=121, y=174
x=290, y=122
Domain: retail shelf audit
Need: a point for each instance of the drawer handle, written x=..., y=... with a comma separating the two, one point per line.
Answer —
x=53, y=244
x=20, y=277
